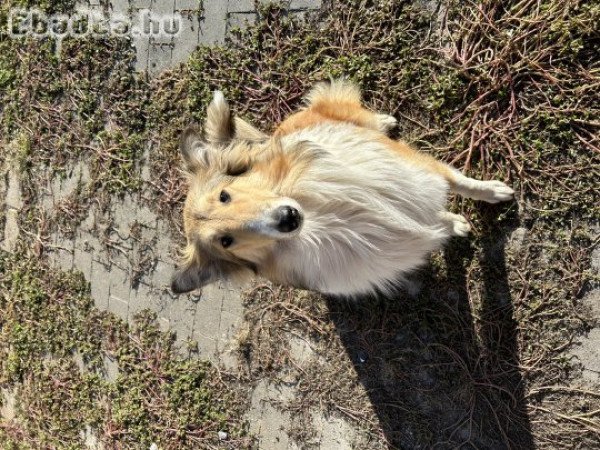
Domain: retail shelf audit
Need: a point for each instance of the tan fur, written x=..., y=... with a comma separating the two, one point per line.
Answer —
x=206, y=218
x=339, y=101
x=362, y=225
x=408, y=153
x=335, y=109
x=326, y=111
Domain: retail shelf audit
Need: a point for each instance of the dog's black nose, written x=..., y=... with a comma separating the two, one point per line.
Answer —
x=288, y=219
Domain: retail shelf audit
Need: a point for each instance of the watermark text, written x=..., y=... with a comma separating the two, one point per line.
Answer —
x=86, y=23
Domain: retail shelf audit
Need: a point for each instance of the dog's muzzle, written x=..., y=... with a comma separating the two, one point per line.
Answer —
x=288, y=219
x=282, y=221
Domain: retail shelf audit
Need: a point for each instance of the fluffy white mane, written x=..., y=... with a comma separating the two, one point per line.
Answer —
x=369, y=216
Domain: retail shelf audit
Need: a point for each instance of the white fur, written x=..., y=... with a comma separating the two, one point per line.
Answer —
x=457, y=225
x=492, y=191
x=368, y=215
x=386, y=122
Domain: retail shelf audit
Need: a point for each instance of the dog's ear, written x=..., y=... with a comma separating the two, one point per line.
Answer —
x=219, y=125
x=195, y=146
x=194, y=150
x=198, y=271
x=196, y=274
x=248, y=132
x=193, y=276
x=203, y=150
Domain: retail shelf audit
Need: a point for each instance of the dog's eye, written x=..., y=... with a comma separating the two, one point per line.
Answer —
x=226, y=241
x=224, y=197
x=235, y=171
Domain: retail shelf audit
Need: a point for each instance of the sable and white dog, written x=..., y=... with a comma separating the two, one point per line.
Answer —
x=328, y=203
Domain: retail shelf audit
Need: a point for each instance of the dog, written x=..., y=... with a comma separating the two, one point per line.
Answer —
x=328, y=202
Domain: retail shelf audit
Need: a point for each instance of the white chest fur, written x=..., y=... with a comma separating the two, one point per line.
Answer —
x=369, y=215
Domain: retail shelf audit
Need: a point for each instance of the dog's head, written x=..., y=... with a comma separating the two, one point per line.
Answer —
x=236, y=210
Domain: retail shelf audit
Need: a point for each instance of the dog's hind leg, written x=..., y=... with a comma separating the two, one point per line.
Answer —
x=492, y=191
x=489, y=191
x=456, y=224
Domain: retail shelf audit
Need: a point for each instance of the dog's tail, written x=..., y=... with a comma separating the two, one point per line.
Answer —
x=334, y=91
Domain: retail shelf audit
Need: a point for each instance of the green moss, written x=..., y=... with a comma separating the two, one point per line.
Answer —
x=46, y=317
x=8, y=74
x=118, y=161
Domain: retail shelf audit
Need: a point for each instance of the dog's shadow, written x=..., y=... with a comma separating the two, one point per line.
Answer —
x=441, y=366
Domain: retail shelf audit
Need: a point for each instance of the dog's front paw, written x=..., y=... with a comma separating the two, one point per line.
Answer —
x=460, y=226
x=386, y=123
x=495, y=191
x=456, y=224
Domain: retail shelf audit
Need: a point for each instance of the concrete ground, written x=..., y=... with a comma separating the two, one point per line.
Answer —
x=203, y=22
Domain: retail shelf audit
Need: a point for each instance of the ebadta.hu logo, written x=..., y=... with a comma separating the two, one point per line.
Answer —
x=85, y=23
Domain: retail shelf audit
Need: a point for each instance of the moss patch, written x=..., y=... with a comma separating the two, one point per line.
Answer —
x=156, y=397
